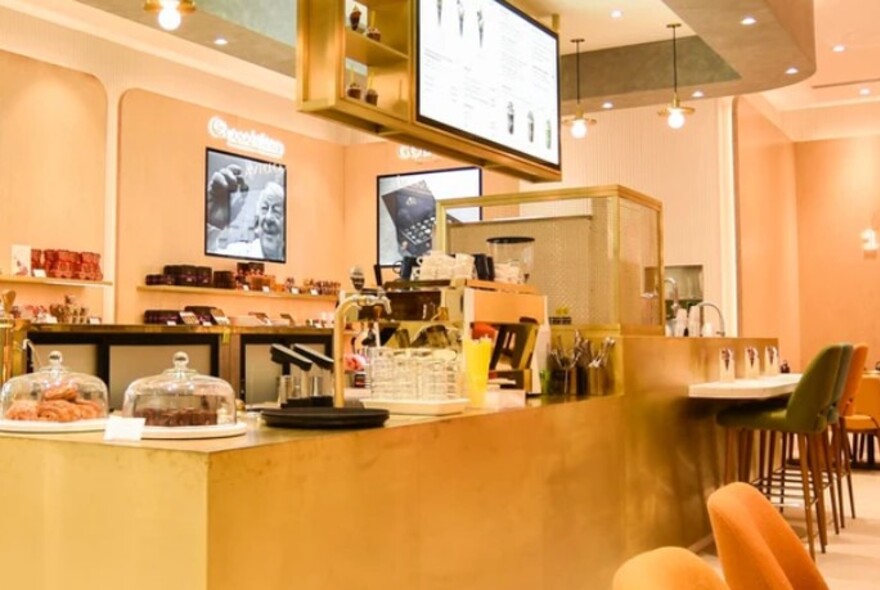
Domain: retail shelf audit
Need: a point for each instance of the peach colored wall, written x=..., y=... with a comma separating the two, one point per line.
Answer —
x=363, y=163
x=838, y=198
x=767, y=231
x=52, y=153
x=161, y=205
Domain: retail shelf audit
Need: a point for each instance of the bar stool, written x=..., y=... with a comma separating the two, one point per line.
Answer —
x=806, y=416
x=839, y=437
x=831, y=472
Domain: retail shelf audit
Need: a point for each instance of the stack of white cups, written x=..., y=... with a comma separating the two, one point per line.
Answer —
x=508, y=272
x=436, y=265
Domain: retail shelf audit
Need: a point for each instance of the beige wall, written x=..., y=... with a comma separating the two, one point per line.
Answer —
x=838, y=197
x=684, y=169
x=52, y=135
x=161, y=204
x=767, y=231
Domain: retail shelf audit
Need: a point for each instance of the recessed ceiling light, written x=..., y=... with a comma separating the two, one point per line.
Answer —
x=616, y=14
x=792, y=71
x=839, y=48
x=608, y=105
x=865, y=91
x=220, y=41
x=748, y=21
x=698, y=94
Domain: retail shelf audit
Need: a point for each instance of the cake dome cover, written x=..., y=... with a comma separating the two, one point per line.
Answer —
x=180, y=396
x=53, y=394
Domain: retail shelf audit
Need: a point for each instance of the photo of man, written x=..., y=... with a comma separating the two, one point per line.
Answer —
x=245, y=211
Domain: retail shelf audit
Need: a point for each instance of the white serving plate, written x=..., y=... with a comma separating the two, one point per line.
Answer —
x=418, y=407
x=194, y=432
x=36, y=427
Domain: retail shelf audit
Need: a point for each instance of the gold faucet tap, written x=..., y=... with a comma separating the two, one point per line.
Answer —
x=359, y=301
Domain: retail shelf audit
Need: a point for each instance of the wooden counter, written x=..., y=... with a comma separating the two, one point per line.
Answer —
x=553, y=496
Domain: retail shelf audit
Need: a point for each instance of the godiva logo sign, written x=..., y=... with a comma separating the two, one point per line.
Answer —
x=248, y=141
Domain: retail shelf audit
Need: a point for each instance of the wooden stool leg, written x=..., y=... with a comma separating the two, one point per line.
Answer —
x=813, y=452
x=870, y=438
x=808, y=514
x=787, y=441
x=829, y=471
x=771, y=458
x=837, y=455
x=847, y=458
x=762, y=449
x=745, y=461
x=729, y=455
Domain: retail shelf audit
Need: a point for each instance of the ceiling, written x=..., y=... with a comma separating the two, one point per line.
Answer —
x=840, y=76
x=627, y=60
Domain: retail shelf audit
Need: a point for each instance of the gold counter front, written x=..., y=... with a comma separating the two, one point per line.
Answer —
x=552, y=497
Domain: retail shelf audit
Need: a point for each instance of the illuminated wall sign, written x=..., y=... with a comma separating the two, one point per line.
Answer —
x=248, y=141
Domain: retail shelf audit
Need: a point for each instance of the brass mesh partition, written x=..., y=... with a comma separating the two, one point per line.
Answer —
x=591, y=251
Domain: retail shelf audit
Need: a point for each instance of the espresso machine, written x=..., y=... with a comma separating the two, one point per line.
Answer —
x=426, y=315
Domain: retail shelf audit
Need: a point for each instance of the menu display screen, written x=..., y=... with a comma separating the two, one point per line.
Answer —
x=490, y=72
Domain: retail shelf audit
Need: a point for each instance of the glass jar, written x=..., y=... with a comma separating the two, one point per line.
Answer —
x=53, y=394
x=180, y=396
x=514, y=255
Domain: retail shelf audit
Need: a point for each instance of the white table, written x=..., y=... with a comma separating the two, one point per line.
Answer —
x=746, y=389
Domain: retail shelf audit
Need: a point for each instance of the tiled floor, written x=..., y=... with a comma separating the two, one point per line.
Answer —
x=852, y=561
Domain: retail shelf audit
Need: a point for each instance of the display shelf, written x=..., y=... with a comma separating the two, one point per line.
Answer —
x=371, y=53
x=53, y=282
x=352, y=104
x=234, y=293
x=323, y=75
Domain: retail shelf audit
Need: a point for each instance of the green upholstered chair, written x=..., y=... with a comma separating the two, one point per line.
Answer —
x=805, y=416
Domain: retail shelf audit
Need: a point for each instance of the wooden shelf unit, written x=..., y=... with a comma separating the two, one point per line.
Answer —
x=326, y=48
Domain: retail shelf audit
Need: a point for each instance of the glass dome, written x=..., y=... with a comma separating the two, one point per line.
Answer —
x=180, y=396
x=53, y=394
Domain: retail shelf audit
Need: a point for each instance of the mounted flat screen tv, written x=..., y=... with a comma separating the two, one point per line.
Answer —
x=489, y=72
x=245, y=207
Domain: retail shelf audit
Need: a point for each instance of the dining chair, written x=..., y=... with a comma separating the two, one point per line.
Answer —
x=667, y=568
x=864, y=419
x=758, y=549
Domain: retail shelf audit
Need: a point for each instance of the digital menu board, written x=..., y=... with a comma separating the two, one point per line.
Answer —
x=491, y=73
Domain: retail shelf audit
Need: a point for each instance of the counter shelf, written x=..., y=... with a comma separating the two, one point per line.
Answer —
x=209, y=291
x=120, y=353
x=54, y=281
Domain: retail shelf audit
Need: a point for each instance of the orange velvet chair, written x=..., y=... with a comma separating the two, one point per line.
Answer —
x=864, y=419
x=757, y=548
x=667, y=568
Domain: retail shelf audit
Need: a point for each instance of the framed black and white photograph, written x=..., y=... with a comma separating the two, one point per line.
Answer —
x=406, y=208
x=245, y=207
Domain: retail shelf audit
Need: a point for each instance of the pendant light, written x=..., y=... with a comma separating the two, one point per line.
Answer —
x=674, y=112
x=581, y=123
x=170, y=11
